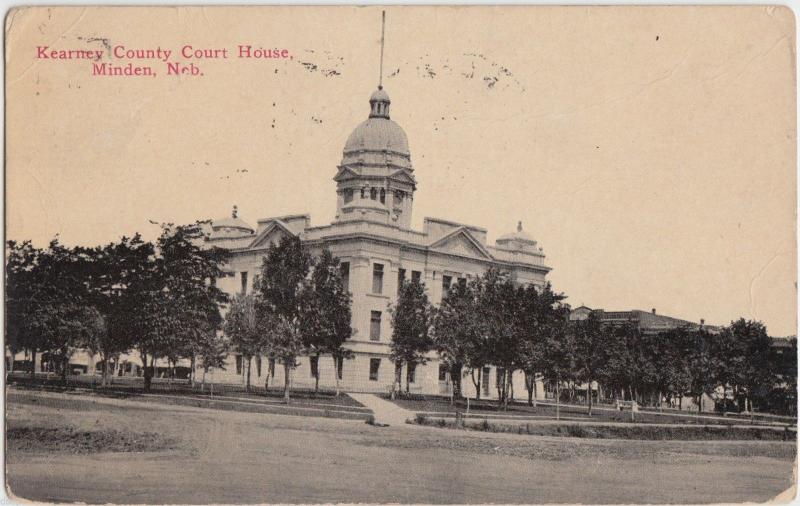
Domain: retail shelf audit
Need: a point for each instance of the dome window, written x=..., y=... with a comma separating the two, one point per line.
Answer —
x=348, y=195
x=383, y=196
x=373, y=194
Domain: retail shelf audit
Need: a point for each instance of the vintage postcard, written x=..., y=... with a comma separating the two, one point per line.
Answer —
x=430, y=254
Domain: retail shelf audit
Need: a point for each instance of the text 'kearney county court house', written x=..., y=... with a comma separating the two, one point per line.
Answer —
x=372, y=237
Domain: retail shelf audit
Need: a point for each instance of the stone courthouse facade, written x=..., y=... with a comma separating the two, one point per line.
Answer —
x=372, y=236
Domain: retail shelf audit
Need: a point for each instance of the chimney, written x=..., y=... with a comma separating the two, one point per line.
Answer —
x=702, y=321
x=654, y=310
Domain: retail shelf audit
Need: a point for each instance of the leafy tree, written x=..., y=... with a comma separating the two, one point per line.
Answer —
x=746, y=360
x=457, y=332
x=24, y=291
x=411, y=328
x=499, y=308
x=540, y=316
x=593, y=346
x=328, y=317
x=242, y=327
x=284, y=299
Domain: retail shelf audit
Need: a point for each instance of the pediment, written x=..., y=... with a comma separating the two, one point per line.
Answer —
x=272, y=234
x=403, y=176
x=461, y=242
x=345, y=173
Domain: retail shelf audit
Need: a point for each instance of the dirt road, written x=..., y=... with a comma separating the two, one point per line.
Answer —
x=231, y=457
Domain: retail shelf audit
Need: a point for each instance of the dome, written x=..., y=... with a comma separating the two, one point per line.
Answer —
x=378, y=134
x=230, y=226
x=518, y=240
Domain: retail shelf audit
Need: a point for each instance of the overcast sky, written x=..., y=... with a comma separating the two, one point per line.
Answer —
x=650, y=151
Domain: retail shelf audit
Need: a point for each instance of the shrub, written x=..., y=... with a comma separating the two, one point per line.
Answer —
x=420, y=419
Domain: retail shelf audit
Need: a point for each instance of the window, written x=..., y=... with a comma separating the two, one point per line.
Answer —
x=401, y=277
x=398, y=196
x=271, y=367
x=314, y=362
x=373, y=194
x=411, y=373
x=442, y=372
x=485, y=381
x=375, y=325
x=416, y=276
x=344, y=269
x=339, y=367
x=256, y=281
x=462, y=282
x=377, y=278
x=383, y=196
x=446, y=281
x=258, y=366
x=348, y=195
x=244, y=283
x=374, y=365
x=238, y=364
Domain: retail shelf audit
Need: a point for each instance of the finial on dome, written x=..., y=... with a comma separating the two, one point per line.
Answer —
x=383, y=29
x=519, y=226
x=235, y=213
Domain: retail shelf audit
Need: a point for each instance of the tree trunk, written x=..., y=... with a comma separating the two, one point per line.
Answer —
x=558, y=397
x=535, y=392
x=104, y=379
x=336, y=373
x=203, y=384
x=192, y=371
x=398, y=365
x=249, y=366
x=477, y=384
x=589, y=395
x=286, y=376
x=33, y=363
x=455, y=377
x=316, y=378
x=148, y=373
x=529, y=388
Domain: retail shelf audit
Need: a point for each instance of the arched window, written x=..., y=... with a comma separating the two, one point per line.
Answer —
x=362, y=191
x=348, y=195
x=383, y=196
x=373, y=193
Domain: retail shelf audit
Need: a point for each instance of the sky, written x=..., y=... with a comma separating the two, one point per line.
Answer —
x=651, y=151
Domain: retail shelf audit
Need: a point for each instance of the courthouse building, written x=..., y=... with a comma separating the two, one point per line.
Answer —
x=371, y=234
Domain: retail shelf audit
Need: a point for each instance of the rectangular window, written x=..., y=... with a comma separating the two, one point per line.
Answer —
x=500, y=372
x=416, y=276
x=377, y=278
x=272, y=367
x=442, y=372
x=374, y=366
x=244, y=283
x=314, y=362
x=446, y=281
x=411, y=374
x=462, y=282
x=485, y=381
x=339, y=367
x=401, y=277
x=238, y=364
x=348, y=195
x=375, y=325
x=344, y=269
x=256, y=281
x=258, y=366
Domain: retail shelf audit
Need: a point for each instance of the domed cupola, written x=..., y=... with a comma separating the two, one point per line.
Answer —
x=518, y=241
x=376, y=166
x=230, y=227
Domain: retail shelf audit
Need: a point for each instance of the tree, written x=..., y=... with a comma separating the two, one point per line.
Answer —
x=411, y=328
x=558, y=359
x=745, y=357
x=242, y=328
x=283, y=300
x=328, y=317
x=593, y=345
x=24, y=290
x=541, y=312
x=499, y=309
x=457, y=332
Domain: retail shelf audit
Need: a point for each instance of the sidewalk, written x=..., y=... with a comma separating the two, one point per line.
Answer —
x=385, y=412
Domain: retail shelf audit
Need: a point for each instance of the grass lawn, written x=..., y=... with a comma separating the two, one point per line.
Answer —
x=600, y=413
x=134, y=387
x=213, y=456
